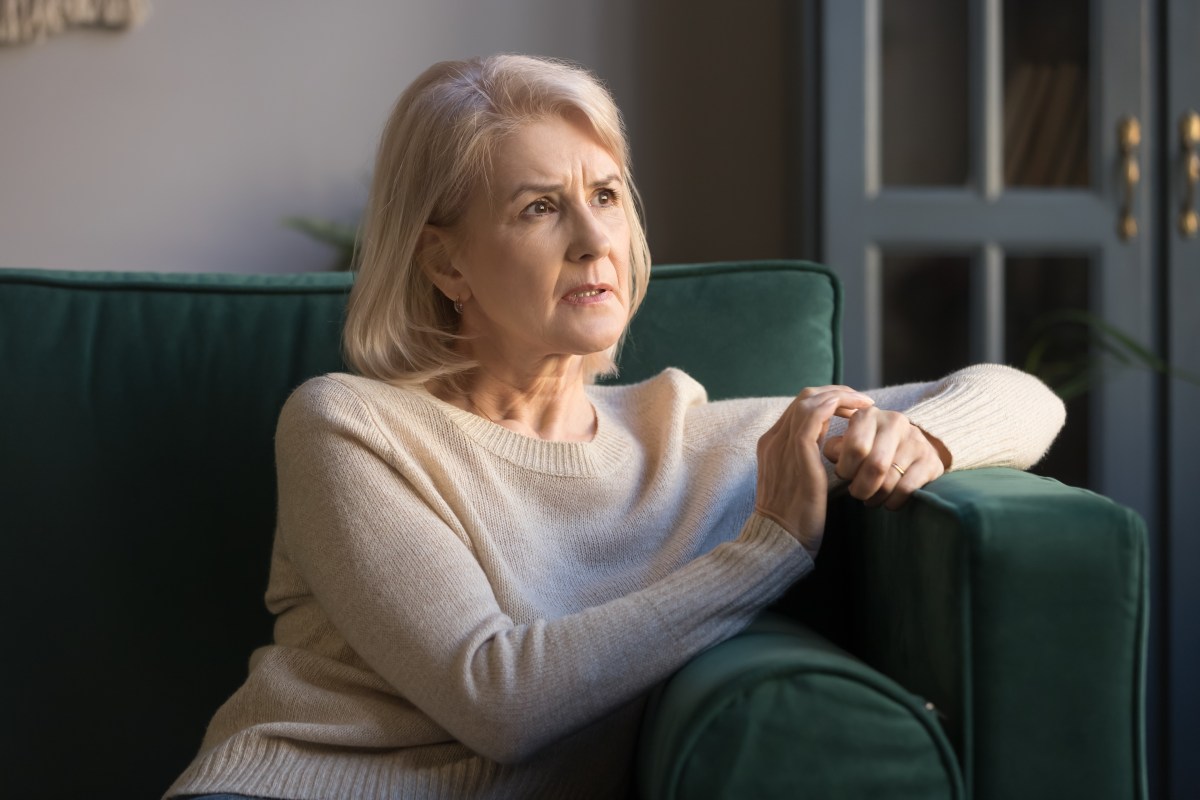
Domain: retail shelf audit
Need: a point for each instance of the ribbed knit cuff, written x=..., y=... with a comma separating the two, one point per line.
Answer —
x=738, y=579
x=991, y=415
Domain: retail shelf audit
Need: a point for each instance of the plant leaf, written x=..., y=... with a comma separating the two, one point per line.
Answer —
x=335, y=234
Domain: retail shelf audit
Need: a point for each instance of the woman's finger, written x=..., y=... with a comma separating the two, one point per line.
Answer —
x=900, y=459
x=813, y=423
x=858, y=444
x=904, y=474
x=921, y=463
x=833, y=448
x=811, y=415
x=855, y=445
x=917, y=474
x=813, y=390
x=872, y=455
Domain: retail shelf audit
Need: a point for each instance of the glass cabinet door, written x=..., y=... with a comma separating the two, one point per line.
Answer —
x=984, y=200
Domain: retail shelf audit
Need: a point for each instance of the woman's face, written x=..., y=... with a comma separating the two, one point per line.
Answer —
x=541, y=255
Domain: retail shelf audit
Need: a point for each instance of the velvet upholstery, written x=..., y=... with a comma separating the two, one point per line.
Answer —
x=766, y=331
x=779, y=711
x=988, y=559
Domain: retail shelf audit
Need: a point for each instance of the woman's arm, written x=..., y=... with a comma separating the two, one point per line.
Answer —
x=400, y=583
x=983, y=415
x=987, y=415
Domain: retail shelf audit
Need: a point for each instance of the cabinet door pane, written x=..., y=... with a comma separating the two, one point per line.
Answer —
x=1050, y=332
x=923, y=77
x=926, y=302
x=1046, y=93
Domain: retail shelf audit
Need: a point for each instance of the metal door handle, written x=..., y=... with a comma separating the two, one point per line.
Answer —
x=1189, y=141
x=1129, y=135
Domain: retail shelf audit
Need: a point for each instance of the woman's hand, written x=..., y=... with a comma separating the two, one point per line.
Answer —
x=792, y=484
x=885, y=457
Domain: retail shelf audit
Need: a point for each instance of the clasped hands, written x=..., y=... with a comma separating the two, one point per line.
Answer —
x=883, y=457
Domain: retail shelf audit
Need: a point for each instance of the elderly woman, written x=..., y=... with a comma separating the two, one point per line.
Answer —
x=483, y=560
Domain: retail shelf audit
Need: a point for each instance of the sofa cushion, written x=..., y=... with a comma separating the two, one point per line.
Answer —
x=742, y=329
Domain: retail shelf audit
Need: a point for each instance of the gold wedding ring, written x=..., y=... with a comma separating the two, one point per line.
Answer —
x=898, y=468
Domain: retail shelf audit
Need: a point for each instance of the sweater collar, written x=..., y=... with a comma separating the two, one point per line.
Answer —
x=608, y=449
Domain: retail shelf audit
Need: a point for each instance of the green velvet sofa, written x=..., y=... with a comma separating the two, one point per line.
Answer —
x=987, y=641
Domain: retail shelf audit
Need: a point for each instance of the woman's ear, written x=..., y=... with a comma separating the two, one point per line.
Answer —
x=433, y=256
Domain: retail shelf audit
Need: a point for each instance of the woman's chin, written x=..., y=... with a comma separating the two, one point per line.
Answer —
x=598, y=337
x=599, y=345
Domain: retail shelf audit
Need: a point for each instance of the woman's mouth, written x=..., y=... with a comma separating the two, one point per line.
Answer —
x=587, y=295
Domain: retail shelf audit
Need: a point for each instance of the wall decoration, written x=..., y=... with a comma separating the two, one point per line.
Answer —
x=26, y=21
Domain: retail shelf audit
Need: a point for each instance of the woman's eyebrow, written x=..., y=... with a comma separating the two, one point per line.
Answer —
x=536, y=188
x=551, y=188
x=613, y=178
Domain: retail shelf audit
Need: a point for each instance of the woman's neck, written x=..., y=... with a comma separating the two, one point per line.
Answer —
x=546, y=403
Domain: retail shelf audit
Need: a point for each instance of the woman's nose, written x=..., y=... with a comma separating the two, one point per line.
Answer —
x=589, y=238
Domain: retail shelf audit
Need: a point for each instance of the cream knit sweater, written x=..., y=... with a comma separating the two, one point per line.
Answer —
x=463, y=611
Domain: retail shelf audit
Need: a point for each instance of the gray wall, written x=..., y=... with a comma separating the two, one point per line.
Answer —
x=181, y=145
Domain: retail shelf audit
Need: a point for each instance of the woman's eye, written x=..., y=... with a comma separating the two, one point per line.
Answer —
x=606, y=197
x=539, y=207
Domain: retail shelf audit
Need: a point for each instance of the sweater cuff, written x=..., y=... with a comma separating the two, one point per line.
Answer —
x=739, y=577
x=991, y=415
x=761, y=528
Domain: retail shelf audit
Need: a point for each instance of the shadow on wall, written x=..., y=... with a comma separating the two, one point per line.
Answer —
x=712, y=140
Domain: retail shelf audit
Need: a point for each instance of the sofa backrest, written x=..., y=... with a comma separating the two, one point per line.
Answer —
x=137, y=413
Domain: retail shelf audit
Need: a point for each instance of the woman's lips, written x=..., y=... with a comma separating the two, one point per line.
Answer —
x=588, y=295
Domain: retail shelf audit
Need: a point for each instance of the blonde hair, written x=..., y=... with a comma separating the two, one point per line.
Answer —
x=437, y=145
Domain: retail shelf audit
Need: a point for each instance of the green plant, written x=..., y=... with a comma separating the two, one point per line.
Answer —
x=341, y=237
x=1071, y=346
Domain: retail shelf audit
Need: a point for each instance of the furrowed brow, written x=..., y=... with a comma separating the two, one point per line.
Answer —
x=535, y=188
x=551, y=188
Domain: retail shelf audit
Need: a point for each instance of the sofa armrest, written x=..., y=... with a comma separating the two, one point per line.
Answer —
x=780, y=712
x=1018, y=606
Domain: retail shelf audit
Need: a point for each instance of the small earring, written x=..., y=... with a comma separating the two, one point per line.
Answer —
x=458, y=305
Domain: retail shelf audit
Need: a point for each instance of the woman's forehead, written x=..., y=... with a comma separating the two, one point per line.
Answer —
x=549, y=151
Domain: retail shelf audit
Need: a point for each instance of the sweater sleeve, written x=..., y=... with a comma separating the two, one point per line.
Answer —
x=406, y=592
x=987, y=415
